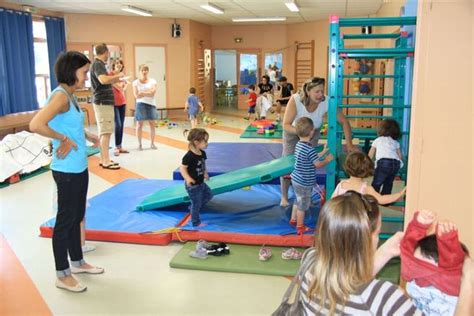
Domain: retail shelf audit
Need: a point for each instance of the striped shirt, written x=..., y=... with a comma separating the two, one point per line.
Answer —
x=304, y=172
x=376, y=298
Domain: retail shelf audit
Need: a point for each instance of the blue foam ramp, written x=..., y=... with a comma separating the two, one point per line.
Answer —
x=114, y=209
x=222, y=183
x=226, y=157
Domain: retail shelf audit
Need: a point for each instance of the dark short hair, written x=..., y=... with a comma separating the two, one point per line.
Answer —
x=282, y=79
x=429, y=247
x=304, y=125
x=67, y=64
x=359, y=165
x=266, y=77
x=390, y=128
x=101, y=49
x=252, y=87
x=192, y=90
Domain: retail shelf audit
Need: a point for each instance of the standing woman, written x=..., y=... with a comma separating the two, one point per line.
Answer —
x=264, y=91
x=312, y=103
x=120, y=107
x=144, y=90
x=62, y=120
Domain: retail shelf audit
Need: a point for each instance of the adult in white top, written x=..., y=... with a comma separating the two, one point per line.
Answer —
x=144, y=90
x=310, y=102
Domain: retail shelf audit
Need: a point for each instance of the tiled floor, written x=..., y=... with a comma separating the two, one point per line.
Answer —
x=138, y=279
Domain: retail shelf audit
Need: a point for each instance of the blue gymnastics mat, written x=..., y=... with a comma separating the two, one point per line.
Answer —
x=255, y=210
x=226, y=157
x=111, y=215
x=247, y=216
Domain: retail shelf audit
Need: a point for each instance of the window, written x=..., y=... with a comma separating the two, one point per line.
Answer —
x=41, y=61
x=248, y=69
x=273, y=65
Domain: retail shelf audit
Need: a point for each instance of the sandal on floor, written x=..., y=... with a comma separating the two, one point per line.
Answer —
x=123, y=151
x=112, y=163
x=116, y=152
x=110, y=167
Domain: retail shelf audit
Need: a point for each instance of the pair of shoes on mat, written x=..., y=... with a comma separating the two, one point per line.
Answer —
x=218, y=249
x=213, y=249
x=291, y=254
x=264, y=254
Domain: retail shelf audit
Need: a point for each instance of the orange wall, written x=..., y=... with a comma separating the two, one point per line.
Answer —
x=440, y=171
x=129, y=31
x=262, y=38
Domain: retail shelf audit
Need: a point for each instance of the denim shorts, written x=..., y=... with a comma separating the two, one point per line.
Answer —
x=303, y=196
x=251, y=109
x=145, y=112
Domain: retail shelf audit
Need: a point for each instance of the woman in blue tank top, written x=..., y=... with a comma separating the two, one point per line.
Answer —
x=62, y=120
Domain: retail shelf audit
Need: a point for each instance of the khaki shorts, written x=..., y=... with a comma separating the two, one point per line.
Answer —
x=104, y=115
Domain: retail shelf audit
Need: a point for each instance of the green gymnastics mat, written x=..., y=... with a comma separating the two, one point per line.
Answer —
x=222, y=183
x=244, y=259
x=251, y=132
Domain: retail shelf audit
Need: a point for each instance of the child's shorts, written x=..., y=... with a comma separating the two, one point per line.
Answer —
x=192, y=116
x=251, y=109
x=303, y=196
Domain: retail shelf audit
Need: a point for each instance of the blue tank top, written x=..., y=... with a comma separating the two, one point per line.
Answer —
x=71, y=124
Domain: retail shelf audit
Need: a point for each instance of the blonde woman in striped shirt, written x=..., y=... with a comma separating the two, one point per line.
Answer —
x=341, y=280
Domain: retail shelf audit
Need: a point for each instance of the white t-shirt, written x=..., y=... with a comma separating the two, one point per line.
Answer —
x=386, y=148
x=316, y=116
x=143, y=87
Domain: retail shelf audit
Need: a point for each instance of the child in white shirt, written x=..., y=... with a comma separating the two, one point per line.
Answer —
x=388, y=157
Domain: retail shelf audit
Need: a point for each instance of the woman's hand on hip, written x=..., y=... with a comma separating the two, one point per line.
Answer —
x=65, y=147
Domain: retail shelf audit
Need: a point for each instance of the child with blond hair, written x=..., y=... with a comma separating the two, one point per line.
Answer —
x=303, y=177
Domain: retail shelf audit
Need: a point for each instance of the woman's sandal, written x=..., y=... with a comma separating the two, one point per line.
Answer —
x=110, y=167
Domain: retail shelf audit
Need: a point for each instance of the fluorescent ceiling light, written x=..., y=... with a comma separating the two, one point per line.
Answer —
x=262, y=19
x=136, y=10
x=213, y=8
x=291, y=5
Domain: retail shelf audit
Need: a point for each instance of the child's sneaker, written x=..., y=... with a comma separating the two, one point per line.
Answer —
x=246, y=118
x=223, y=248
x=300, y=230
x=199, y=254
x=291, y=254
x=264, y=254
x=202, y=244
x=292, y=222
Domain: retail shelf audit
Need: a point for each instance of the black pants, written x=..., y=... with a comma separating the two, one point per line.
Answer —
x=72, y=196
x=119, y=119
x=384, y=175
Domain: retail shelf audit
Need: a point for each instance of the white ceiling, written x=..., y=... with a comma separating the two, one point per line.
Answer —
x=310, y=10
